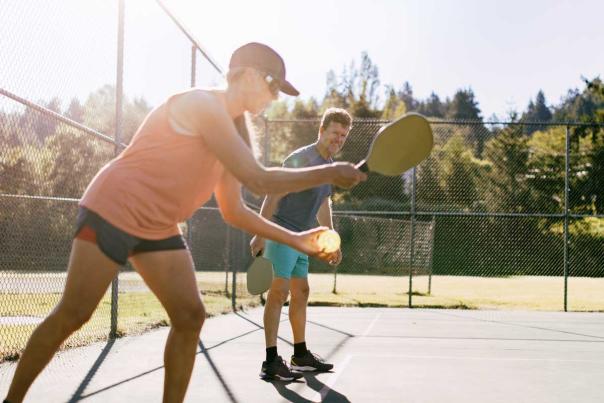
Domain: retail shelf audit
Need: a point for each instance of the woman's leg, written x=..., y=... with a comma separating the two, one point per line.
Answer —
x=171, y=276
x=89, y=274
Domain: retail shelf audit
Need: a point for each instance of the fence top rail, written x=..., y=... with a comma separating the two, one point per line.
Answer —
x=461, y=214
x=453, y=122
x=57, y=116
x=191, y=38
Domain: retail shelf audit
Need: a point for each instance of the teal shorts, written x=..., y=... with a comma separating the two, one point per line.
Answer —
x=287, y=262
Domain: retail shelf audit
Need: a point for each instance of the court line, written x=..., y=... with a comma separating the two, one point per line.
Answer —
x=321, y=394
x=366, y=332
x=477, y=358
x=469, y=316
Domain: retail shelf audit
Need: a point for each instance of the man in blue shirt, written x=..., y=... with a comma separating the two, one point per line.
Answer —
x=298, y=212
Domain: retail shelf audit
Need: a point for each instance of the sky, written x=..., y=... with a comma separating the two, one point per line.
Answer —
x=505, y=51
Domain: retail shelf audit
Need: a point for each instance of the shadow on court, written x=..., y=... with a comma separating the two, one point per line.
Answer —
x=380, y=354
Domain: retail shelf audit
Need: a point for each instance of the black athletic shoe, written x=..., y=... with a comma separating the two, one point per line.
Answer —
x=310, y=362
x=278, y=369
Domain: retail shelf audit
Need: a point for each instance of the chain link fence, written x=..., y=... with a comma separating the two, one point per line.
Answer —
x=75, y=83
x=484, y=221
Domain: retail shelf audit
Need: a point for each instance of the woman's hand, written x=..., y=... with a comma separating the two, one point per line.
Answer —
x=346, y=175
x=307, y=242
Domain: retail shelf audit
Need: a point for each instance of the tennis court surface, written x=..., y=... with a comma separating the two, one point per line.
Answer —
x=380, y=355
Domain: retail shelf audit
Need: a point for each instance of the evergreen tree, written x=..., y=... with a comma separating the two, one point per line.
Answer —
x=537, y=111
x=432, y=107
x=465, y=107
x=405, y=94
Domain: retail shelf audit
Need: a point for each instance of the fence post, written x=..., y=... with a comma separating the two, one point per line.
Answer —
x=119, y=93
x=566, y=209
x=193, y=65
x=266, y=146
x=235, y=262
x=412, y=235
x=432, y=230
x=193, y=78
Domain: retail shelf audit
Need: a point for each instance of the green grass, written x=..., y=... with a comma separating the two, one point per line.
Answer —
x=517, y=292
x=139, y=310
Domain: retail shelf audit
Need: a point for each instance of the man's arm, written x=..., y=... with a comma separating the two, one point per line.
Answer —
x=324, y=216
x=269, y=205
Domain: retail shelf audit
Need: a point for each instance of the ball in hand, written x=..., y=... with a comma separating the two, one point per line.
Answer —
x=329, y=241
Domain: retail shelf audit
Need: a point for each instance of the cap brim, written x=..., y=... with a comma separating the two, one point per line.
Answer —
x=289, y=89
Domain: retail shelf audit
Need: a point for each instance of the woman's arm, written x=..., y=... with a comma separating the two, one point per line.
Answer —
x=216, y=128
x=237, y=214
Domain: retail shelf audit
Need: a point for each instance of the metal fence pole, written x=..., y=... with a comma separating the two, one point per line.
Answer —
x=119, y=93
x=193, y=65
x=432, y=230
x=235, y=261
x=227, y=259
x=193, y=78
x=266, y=144
x=412, y=249
x=566, y=209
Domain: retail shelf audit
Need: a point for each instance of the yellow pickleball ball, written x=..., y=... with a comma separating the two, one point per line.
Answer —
x=329, y=241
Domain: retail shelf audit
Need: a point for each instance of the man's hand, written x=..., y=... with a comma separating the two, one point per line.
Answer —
x=256, y=245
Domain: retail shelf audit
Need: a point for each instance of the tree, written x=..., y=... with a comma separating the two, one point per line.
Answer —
x=99, y=113
x=430, y=194
x=546, y=169
x=537, y=111
x=592, y=184
x=75, y=111
x=394, y=106
x=465, y=107
x=459, y=174
x=405, y=94
x=432, y=107
x=355, y=89
x=505, y=188
x=334, y=96
x=37, y=126
x=71, y=151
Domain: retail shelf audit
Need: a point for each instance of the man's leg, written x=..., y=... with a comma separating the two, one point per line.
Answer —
x=284, y=260
x=303, y=359
x=277, y=295
x=297, y=307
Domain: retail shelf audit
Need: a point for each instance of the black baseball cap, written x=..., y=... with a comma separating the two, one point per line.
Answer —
x=265, y=59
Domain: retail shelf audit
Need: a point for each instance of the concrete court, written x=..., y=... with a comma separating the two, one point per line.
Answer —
x=381, y=355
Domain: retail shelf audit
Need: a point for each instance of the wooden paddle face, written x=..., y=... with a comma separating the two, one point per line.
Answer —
x=259, y=275
x=400, y=145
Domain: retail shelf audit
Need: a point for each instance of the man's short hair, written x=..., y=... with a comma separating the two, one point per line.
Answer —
x=337, y=115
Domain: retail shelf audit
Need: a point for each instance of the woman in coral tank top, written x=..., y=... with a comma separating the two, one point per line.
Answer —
x=192, y=146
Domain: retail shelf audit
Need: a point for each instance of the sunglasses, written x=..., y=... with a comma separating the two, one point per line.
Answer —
x=273, y=84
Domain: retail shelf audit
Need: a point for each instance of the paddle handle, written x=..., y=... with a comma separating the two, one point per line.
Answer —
x=362, y=166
